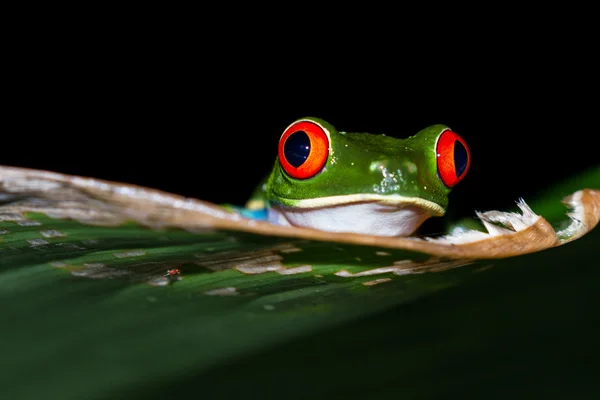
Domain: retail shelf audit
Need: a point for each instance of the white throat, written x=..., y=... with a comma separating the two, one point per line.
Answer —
x=369, y=217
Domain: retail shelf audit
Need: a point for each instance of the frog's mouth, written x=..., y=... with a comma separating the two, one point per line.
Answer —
x=371, y=214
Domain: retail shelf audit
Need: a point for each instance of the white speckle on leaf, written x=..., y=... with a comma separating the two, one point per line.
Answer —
x=99, y=271
x=290, y=250
x=401, y=272
x=94, y=265
x=269, y=307
x=28, y=222
x=295, y=270
x=250, y=263
x=376, y=271
x=133, y=253
x=225, y=291
x=12, y=217
x=382, y=253
x=37, y=242
x=259, y=269
x=377, y=281
x=52, y=233
x=71, y=246
x=159, y=281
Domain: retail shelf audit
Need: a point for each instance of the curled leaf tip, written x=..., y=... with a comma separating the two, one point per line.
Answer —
x=98, y=202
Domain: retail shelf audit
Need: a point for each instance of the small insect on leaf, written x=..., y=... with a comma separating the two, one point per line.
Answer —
x=173, y=272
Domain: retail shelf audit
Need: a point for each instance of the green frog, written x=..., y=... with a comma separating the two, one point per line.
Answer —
x=360, y=182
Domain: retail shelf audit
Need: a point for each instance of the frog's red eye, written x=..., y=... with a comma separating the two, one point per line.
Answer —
x=453, y=158
x=303, y=149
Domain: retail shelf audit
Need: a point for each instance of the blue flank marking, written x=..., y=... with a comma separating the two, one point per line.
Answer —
x=260, y=214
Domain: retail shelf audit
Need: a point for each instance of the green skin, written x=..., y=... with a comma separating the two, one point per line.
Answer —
x=364, y=167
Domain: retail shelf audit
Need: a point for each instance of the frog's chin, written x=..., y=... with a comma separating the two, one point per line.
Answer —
x=383, y=217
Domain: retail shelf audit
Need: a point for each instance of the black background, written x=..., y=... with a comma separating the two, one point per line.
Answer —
x=207, y=125
x=199, y=113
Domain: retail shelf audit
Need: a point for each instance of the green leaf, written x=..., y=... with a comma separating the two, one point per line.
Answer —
x=526, y=328
x=548, y=202
x=119, y=331
x=93, y=312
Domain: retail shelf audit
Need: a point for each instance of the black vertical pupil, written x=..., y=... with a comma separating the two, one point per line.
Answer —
x=297, y=148
x=461, y=158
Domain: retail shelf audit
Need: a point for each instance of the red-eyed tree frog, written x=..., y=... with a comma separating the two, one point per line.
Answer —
x=360, y=182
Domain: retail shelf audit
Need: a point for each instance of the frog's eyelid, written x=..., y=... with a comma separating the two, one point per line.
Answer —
x=446, y=129
x=312, y=122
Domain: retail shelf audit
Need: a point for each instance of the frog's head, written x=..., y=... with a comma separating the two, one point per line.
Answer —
x=363, y=183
